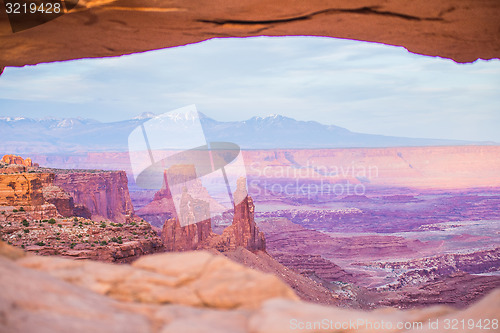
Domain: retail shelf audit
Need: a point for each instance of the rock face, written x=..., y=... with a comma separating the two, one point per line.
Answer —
x=101, y=195
x=190, y=237
x=159, y=209
x=194, y=204
x=104, y=193
x=178, y=292
x=41, y=217
x=18, y=160
x=59, y=198
x=241, y=233
x=461, y=31
x=189, y=278
x=23, y=189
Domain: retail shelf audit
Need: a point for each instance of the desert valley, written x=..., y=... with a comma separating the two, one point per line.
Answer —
x=420, y=227
x=249, y=166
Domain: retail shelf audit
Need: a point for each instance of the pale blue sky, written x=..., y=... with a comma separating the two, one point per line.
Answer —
x=365, y=87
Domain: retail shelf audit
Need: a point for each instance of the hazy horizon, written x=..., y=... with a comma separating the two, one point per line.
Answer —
x=364, y=87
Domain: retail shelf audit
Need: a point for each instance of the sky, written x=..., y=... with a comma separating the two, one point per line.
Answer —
x=364, y=87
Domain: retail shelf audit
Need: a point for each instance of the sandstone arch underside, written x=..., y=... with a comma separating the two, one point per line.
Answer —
x=462, y=30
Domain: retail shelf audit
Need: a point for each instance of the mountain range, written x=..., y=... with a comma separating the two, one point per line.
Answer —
x=76, y=135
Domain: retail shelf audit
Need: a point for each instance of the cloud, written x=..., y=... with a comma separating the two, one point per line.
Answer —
x=365, y=87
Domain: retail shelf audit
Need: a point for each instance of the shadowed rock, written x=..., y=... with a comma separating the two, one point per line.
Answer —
x=176, y=292
x=461, y=31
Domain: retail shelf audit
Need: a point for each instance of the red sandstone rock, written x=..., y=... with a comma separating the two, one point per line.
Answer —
x=463, y=31
x=24, y=188
x=14, y=159
x=194, y=203
x=105, y=194
x=241, y=233
x=190, y=237
x=59, y=198
x=33, y=207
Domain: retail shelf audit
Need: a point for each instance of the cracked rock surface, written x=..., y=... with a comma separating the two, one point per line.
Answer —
x=463, y=31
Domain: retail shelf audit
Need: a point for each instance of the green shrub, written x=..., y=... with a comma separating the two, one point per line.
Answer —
x=104, y=242
x=75, y=219
x=40, y=243
x=52, y=221
x=25, y=223
x=103, y=225
x=26, y=231
x=21, y=209
x=59, y=225
x=14, y=210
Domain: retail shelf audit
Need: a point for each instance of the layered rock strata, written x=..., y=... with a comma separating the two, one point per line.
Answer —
x=463, y=31
x=104, y=193
x=42, y=218
x=17, y=160
x=243, y=231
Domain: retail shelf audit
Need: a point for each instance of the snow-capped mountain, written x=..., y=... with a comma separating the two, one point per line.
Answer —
x=25, y=135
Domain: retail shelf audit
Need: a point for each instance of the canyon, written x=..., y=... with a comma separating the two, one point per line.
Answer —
x=416, y=236
x=86, y=217
x=424, y=214
x=243, y=231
